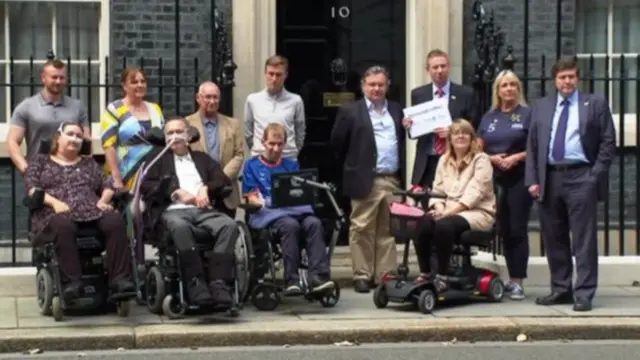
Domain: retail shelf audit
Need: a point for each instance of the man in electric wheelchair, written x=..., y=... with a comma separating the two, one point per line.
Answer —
x=69, y=199
x=288, y=224
x=185, y=208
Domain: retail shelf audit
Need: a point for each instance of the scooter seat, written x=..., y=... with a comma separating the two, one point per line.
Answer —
x=477, y=238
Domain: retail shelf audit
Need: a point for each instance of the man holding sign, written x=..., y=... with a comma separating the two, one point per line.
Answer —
x=460, y=101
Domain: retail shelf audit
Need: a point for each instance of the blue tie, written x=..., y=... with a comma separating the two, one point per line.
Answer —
x=561, y=132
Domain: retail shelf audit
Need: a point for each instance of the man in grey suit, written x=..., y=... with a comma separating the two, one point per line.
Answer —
x=570, y=147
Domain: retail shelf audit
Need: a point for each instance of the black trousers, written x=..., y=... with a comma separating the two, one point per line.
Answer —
x=427, y=181
x=441, y=234
x=62, y=231
x=514, y=209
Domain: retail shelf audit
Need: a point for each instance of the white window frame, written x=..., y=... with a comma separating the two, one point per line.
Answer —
x=630, y=136
x=103, y=52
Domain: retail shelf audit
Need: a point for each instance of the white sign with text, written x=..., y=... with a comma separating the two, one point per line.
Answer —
x=427, y=117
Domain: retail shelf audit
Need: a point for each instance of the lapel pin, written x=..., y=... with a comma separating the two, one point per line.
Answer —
x=586, y=103
x=453, y=97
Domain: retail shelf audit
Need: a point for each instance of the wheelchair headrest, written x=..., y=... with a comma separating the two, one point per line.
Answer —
x=155, y=136
x=85, y=149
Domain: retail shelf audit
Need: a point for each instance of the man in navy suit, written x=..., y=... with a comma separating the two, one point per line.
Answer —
x=461, y=101
x=570, y=147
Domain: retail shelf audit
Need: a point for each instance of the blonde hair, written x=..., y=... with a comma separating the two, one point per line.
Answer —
x=508, y=75
x=463, y=126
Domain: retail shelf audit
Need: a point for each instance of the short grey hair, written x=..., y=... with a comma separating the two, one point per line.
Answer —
x=375, y=70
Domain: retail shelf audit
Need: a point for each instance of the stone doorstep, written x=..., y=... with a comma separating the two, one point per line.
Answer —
x=279, y=332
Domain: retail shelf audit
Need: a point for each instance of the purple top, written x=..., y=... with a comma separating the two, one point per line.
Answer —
x=79, y=186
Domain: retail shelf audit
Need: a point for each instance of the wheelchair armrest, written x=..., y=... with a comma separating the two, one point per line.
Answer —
x=34, y=201
x=161, y=194
x=224, y=191
x=120, y=199
x=250, y=208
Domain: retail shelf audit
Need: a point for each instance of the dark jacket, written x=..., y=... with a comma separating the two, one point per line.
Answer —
x=354, y=143
x=158, y=199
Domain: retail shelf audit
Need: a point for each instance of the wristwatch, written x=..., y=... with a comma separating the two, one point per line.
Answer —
x=174, y=196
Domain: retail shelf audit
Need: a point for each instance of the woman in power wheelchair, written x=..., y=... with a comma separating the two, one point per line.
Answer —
x=459, y=212
x=196, y=241
x=72, y=221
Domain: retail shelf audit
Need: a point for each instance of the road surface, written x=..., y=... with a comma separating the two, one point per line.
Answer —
x=577, y=350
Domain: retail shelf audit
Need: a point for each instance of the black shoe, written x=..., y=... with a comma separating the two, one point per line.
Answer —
x=361, y=286
x=198, y=292
x=72, y=291
x=292, y=289
x=582, y=304
x=122, y=287
x=320, y=284
x=555, y=298
x=221, y=293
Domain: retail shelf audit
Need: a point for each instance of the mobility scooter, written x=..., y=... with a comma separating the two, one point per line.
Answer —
x=465, y=280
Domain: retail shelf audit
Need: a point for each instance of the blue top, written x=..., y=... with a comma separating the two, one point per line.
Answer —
x=506, y=133
x=256, y=178
x=573, y=150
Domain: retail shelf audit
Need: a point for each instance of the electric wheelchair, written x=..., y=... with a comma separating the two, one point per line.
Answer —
x=96, y=295
x=266, y=294
x=465, y=280
x=164, y=291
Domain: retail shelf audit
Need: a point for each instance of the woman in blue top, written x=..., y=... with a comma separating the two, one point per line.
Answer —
x=504, y=132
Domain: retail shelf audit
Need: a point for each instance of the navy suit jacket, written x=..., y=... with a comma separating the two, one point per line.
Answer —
x=462, y=105
x=597, y=135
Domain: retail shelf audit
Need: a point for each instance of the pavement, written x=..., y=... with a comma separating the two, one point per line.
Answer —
x=354, y=320
x=552, y=350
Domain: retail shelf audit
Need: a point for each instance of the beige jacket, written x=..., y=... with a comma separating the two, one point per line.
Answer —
x=471, y=186
x=231, y=139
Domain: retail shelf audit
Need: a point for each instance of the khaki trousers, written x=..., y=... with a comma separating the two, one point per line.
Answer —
x=373, y=249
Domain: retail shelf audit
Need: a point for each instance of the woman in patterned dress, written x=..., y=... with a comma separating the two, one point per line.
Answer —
x=76, y=191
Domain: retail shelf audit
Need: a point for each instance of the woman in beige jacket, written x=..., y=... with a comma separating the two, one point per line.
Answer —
x=465, y=175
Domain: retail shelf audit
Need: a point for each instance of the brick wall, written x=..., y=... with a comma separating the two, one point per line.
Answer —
x=509, y=15
x=146, y=29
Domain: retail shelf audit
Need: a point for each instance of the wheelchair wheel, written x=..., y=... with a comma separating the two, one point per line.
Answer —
x=380, y=298
x=173, y=308
x=265, y=297
x=427, y=301
x=123, y=308
x=56, y=308
x=496, y=289
x=331, y=299
x=155, y=290
x=244, y=263
x=44, y=291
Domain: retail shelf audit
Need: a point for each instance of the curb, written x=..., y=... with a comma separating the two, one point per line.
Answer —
x=290, y=333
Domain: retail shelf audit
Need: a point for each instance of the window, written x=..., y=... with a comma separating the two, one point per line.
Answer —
x=608, y=30
x=73, y=29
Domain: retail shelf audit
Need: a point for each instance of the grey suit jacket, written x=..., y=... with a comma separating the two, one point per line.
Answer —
x=597, y=135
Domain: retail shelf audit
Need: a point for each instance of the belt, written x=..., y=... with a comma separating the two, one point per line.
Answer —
x=567, y=167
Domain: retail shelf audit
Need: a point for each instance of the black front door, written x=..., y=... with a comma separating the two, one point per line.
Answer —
x=329, y=44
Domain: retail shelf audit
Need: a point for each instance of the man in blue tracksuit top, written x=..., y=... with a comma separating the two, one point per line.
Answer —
x=287, y=223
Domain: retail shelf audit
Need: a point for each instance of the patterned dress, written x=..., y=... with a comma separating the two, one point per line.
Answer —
x=79, y=186
x=121, y=129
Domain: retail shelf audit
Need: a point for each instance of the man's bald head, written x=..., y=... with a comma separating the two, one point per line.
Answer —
x=208, y=86
x=208, y=99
